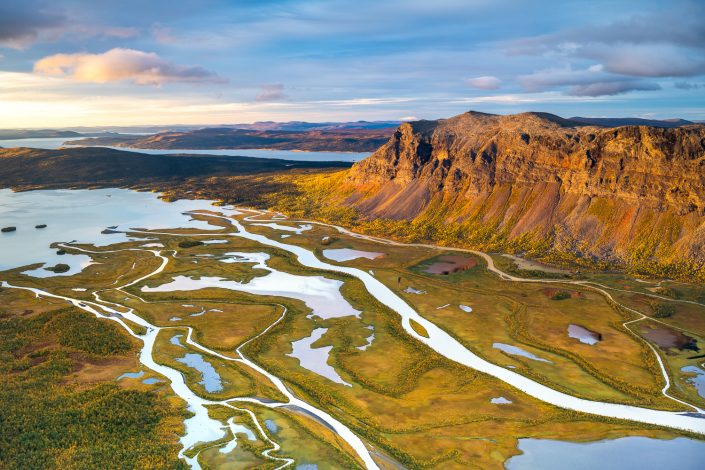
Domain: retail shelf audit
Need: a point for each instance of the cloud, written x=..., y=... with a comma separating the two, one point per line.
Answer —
x=163, y=34
x=547, y=79
x=21, y=22
x=612, y=88
x=687, y=85
x=678, y=26
x=647, y=60
x=142, y=68
x=666, y=43
x=364, y=101
x=593, y=81
x=274, y=92
x=484, y=83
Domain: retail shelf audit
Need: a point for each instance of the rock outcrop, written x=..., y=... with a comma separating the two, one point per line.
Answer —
x=632, y=193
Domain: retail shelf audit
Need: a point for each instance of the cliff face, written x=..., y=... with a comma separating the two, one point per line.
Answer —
x=621, y=193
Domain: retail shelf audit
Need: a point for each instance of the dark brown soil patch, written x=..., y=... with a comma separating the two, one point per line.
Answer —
x=668, y=338
x=449, y=264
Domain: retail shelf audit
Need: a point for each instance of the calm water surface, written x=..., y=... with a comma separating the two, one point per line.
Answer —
x=628, y=453
x=80, y=215
x=57, y=142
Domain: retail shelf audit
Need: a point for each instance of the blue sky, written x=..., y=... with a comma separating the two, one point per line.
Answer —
x=68, y=63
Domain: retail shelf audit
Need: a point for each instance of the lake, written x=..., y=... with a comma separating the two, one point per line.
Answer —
x=57, y=142
x=80, y=215
x=627, y=453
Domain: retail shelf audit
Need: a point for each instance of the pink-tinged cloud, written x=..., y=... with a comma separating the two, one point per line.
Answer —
x=142, y=68
x=274, y=92
x=484, y=83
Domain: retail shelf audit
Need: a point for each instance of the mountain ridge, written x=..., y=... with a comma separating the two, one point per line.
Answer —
x=630, y=194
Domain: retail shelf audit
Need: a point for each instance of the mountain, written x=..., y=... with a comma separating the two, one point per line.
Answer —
x=35, y=133
x=535, y=181
x=344, y=139
x=617, y=122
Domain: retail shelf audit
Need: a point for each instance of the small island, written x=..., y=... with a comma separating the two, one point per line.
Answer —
x=41, y=226
x=8, y=229
x=59, y=268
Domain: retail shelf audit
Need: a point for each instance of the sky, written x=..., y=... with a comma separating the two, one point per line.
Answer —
x=70, y=63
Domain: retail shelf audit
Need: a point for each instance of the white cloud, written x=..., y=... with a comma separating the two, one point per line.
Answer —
x=364, y=101
x=526, y=98
x=142, y=68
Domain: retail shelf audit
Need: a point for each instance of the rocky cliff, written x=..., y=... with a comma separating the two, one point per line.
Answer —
x=631, y=194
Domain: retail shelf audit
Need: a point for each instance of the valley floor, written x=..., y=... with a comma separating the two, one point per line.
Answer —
x=275, y=358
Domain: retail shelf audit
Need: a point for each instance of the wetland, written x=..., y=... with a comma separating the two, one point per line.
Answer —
x=267, y=327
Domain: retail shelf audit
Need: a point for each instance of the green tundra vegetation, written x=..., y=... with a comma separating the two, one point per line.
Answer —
x=51, y=420
x=413, y=406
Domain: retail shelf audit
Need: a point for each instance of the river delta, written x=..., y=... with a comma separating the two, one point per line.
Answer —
x=294, y=352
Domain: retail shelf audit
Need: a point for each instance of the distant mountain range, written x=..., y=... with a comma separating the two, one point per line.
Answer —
x=35, y=133
x=340, y=138
x=155, y=129
x=292, y=126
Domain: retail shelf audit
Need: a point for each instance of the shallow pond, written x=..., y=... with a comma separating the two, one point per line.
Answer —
x=584, y=335
x=500, y=401
x=530, y=265
x=320, y=294
x=209, y=377
x=628, y=453
x=667, y=338
x=131, y=375
x=315, y=359
x=285, y=228
x=411, y=290
x=176, y=340
x=697, y=379
x=236, y=429
x=271, y=426
x=348, y=254
x=517, y=351
x=370, y=339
